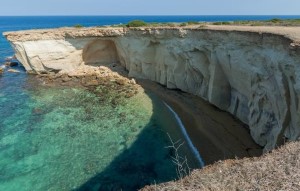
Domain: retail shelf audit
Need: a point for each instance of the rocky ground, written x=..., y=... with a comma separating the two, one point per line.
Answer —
x=97, y=79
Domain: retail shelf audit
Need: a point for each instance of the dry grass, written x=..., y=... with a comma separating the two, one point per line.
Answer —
x=278, y=170
x=203, y=24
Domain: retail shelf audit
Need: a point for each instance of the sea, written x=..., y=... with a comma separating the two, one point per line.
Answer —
x=69, y=138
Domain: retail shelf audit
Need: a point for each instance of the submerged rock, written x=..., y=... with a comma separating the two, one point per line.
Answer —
x=13, y=71
x=109, y=86
x=37, y=111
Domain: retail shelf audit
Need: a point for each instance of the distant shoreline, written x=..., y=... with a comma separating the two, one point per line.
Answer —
x=163, y=18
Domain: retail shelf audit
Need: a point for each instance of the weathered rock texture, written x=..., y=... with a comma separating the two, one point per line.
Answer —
x=253, y=73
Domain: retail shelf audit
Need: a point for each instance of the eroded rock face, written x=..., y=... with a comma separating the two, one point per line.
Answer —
x=253, y=75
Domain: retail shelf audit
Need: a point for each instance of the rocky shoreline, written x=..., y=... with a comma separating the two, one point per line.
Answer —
x=93, y=78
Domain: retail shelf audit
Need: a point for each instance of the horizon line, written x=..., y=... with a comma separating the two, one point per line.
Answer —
x=145, y=15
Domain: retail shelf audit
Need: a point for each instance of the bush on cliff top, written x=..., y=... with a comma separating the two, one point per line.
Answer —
x=78, y=26
x=221, y=23
x=136, y=23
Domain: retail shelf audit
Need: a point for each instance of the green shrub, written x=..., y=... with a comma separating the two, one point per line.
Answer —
x=183, y=24
x=225, y=23
x=242, y=22
x=221, y=23
x=78, y=26
x=136, y=23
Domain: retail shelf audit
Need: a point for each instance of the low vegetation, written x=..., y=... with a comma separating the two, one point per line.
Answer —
x=271, y=22
x=140, y=23
x=137, y=23
x=221, y=23
x=278, y=170
x=78, y=26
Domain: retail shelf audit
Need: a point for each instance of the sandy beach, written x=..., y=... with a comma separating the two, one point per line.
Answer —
x=216, y=134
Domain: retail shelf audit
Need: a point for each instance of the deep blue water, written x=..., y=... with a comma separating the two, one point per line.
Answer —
x=73, y=144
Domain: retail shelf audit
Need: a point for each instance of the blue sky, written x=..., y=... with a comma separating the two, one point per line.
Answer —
x=150, y=7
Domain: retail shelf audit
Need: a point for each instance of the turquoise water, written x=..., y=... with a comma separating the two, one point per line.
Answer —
x=67, y=138
x=70, y=138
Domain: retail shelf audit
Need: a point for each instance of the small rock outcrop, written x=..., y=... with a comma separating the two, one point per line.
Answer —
x=251, y=72
x=13, y=71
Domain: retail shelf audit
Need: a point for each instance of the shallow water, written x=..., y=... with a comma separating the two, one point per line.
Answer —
x=67, y=138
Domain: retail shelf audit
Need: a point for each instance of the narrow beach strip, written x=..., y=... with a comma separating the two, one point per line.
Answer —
x=186, y=136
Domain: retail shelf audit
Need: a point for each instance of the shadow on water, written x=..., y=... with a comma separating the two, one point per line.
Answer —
x=147, y=161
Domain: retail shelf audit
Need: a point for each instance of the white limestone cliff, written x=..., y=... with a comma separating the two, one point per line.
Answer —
x=253, y=73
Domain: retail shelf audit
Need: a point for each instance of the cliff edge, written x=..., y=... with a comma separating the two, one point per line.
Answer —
x=251, y=72
x=278, y=170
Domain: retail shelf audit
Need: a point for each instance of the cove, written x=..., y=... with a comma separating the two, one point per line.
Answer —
x=249, y=72
x=69, y=138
